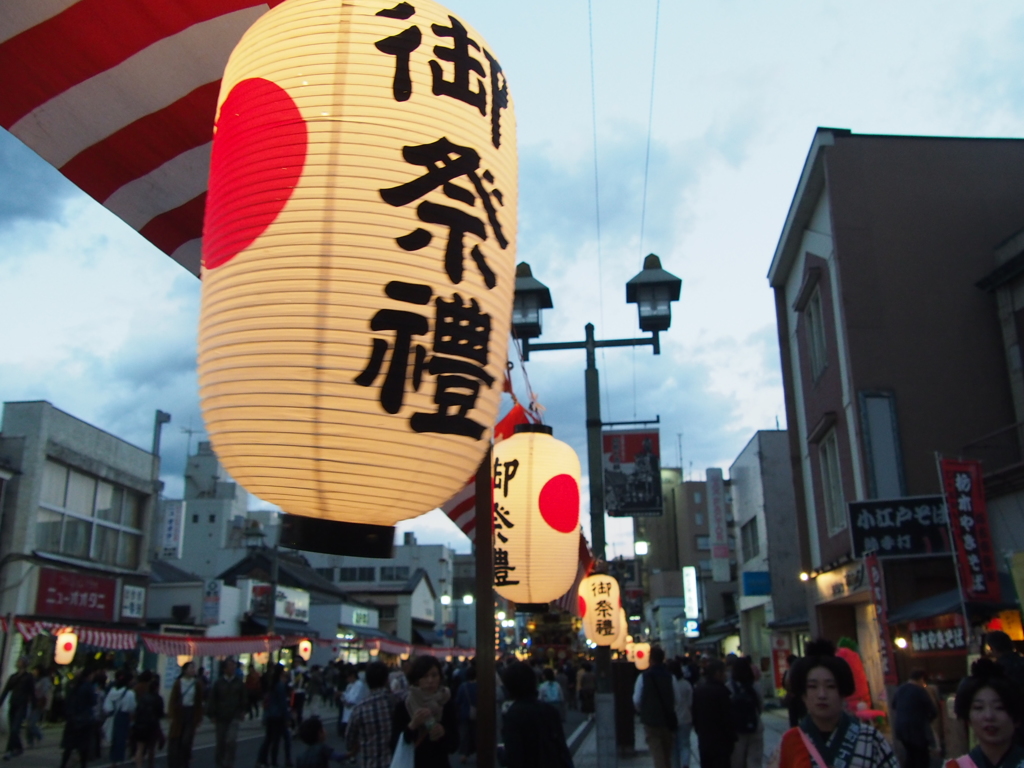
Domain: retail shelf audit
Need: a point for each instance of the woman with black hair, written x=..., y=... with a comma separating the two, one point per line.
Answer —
x=531, y=729
x=993, y=707
x=426, y=719
x=827, y=735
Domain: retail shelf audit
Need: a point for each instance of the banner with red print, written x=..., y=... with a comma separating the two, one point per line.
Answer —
x=964, y=489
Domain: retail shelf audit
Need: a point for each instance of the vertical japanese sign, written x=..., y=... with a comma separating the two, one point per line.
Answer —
x=691, y=594
x=359, y=253
x=172, y=527
x=718, y=523
x=632, y=473
x=876, y=584
x=211, y=602
x=968, y=521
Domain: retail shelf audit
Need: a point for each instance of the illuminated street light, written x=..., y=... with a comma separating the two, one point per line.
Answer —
x=641, y=547
x=446, y=599
x=901, y=642
x=467, y=599
x=501, y=615
x=805, y=576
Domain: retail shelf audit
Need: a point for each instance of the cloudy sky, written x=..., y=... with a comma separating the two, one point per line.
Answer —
x=103, y=325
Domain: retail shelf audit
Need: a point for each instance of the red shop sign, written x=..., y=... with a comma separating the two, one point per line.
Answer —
x=68, y=595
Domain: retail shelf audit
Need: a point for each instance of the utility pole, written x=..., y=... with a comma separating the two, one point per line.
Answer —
x=486, y=711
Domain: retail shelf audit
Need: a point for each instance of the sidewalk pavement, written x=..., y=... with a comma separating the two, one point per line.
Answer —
x=776, y=722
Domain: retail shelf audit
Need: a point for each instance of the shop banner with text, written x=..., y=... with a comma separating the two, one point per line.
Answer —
x=876, y=582
x=968, y=520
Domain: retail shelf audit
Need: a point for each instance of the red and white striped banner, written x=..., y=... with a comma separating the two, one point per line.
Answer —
x=177, y=645
x=461, y=508
x=120, y=96
x=107, y=639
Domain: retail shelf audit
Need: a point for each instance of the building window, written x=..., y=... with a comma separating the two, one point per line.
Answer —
x=327, y=573
x=704, y=542
x=87, y=518
x=832, y=484
x=699, y=518
x=749, y=540
x=696, y=497
x=386, y=612
x=195, y=518
x=366, y=574
x=816, y=333
x=395, y=573
x=213, y=518
x=356, y=574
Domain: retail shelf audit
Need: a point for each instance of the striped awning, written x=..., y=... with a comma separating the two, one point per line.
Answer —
x=177, y=645
x=107, y=639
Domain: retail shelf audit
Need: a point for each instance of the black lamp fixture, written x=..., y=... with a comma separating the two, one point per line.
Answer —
x=530, y=298
x=653, y=291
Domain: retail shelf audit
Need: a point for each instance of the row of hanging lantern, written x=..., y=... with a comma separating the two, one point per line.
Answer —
x=604, y=619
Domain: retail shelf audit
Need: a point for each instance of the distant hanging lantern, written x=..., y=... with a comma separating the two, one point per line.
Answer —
x=183, y=659
x=599, y=604
x=619, y=643
x=642, y=655
x=67, y=644
x=536, y=515
x=305, y=649
x=261, y=658
x=358, y=258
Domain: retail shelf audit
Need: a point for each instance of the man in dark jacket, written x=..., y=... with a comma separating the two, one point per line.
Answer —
x=532, y=729
x=654, y=699
x=22, y=687
x=914, y=712
x=226, y=707
x=712, y=718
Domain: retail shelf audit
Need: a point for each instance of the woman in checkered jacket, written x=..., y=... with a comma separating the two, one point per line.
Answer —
x=828, y=736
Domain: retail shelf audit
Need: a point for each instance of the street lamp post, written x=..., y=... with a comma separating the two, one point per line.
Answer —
x=653, y=291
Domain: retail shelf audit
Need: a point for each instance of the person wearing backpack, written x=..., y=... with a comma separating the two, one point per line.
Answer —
x=551, y=692
x=654, y=699
x=745, y=707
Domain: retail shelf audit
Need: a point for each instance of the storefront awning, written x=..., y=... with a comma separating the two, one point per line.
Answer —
x=107, y=639
x=289, y=628
x=426, y=636
x=710, y=640
x=180, y=645
x=949, y=602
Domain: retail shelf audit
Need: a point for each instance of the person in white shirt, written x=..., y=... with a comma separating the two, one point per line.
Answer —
x=355, y=692
x=118, y=706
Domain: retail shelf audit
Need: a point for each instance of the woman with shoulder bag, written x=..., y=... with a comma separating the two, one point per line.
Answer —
x=119, y=706
x=425, y=723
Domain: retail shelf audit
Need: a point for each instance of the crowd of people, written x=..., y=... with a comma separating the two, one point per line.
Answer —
x=418, y=714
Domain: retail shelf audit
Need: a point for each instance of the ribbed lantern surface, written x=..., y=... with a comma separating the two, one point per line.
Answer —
x=536, y=515
x=358, y=258
x=600, y=605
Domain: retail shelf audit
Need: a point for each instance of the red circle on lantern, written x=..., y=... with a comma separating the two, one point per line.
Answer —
x=68, y=646
x=259, y=151
x=560, y=503
x=583, y=605
x=639, y=654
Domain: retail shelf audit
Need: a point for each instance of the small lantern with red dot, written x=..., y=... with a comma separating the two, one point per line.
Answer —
x=641, y=655
x=305, y=649
x=601, y=608
x=67, y=644
x=536, y=515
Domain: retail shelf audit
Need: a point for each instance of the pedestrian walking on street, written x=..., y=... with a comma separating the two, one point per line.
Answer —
x=712, y=717
x=276, y=714
x=254, y=691
x=368, y=735
x=149, y=710
x=119, y=706
x=746, y=704
x=683, y=693
x=226, y=708
x=426, y=719
x=914, y=711
x=992, y=705
x=80, y=709
x=1000, y=648
x=21, y=687
x=794, y=704
x=40, y=704
x=828, y=735
x=465, y=704
x=185, y=709
x=531, y=729
x=354, y=693
x=654, y=699
x=551, y=692
x=586, y=687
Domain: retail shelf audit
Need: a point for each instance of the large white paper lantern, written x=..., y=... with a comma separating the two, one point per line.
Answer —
x=64, y=650
x=600, y=605
x=358, y=258
x=305, y=649
x=536, y=515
